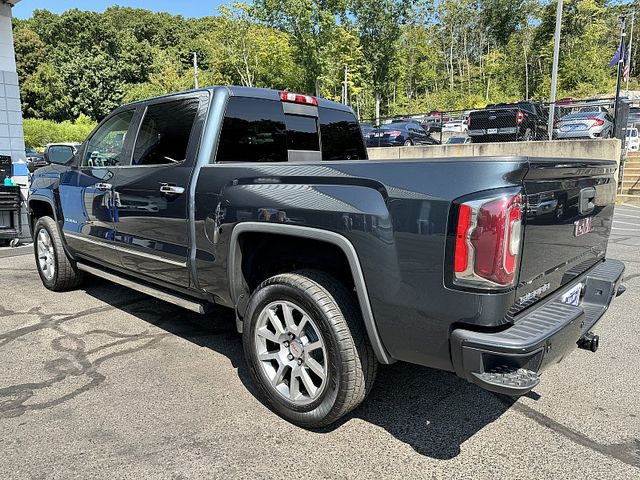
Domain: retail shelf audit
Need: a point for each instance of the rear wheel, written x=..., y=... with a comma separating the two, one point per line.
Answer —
x=57, y=271
x=306, y=348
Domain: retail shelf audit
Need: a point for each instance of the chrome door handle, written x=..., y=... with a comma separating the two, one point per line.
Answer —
x=171, y=189
x=103, y=186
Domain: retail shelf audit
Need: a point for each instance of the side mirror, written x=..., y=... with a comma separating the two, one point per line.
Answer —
x=59, y=154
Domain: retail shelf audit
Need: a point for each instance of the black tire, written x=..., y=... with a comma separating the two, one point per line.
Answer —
x=351, y=363
x=408, y=143
x=66, y=275
x=528, y=136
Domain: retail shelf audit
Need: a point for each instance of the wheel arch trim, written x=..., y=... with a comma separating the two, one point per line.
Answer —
x=56, y=219
x=43, y=199
x=235, y=274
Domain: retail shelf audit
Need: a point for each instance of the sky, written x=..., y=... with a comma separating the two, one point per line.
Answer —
x=186, y=8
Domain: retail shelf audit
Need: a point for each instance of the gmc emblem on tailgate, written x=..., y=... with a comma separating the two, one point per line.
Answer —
x=582, y=226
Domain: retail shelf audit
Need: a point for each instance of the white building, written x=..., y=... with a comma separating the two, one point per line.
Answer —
x=11, y=131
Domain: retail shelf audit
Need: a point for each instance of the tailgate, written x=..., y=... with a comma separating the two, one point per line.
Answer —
x=499, y=118
x=570, y=206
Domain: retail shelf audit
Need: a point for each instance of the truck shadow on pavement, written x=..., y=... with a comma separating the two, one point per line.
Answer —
x=432, y=411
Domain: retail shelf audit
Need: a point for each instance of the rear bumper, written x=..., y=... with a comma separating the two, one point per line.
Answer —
x=481, y=132
x=386, y=143
x=509, y=361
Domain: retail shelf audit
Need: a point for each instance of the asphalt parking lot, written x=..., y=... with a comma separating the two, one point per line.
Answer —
x=105, y=382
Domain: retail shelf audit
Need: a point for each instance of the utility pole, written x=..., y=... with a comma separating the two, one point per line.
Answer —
x=195, y=69
x=345, y=87
x=633, y=17
x=623, y=22
x=554, y=70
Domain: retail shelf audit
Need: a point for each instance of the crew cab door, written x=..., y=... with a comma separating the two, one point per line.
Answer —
x=86, y=189
x=152, y=192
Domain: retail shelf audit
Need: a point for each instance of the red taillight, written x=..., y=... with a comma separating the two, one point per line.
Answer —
x=597, y=122
x=298, y=98
x=469, y=122
x=394, y=133
x=462, y=249
x=519, y=117
x=487, y=244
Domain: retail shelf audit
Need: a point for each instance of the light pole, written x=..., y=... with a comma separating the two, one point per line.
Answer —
x=621, y=50
x=195, y=69
x=554, y=70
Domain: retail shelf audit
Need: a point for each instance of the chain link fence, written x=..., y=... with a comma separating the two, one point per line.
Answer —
x=505, y=122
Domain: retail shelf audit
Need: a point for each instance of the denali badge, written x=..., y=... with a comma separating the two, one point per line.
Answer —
x=582, y=226
x=534, y=293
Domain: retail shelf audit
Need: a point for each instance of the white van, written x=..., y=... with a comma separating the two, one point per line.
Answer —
x=632, y=142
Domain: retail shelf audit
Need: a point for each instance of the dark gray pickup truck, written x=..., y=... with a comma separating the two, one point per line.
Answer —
x=265, y=202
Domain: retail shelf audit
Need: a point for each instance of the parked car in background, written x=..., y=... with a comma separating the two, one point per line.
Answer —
x=584, y=125
x=458, y=140
x=35, y=159
x=432, y=123
x=33, y=156
x=593, y=109
x=457, y=126
x=31, y=152
x=366, y=129
x=632, y=142
x=399, y=134
x=508, y=121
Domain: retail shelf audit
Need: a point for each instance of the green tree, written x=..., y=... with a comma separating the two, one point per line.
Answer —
x=310, y=23
x=377, y=23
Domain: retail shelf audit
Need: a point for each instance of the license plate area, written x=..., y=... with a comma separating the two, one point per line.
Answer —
x=572, y=297
x=492, y=130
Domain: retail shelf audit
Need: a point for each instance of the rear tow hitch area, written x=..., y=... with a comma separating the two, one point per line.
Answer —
x=589, y=342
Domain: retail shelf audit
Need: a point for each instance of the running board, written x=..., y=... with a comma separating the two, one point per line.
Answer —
x=141, y=287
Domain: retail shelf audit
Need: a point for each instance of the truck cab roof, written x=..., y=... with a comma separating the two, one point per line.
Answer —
x=239, y=91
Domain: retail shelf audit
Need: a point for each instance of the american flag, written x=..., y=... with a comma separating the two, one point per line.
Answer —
x=626, y=66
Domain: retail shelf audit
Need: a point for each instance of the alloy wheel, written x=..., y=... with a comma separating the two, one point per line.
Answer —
x=291, y=352
x=46, y=254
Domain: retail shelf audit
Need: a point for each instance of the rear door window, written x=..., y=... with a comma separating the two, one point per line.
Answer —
x=253, y=130
x=340, y=135
x=164, y=134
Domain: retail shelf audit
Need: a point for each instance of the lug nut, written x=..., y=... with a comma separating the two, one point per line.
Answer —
x=290, y=357
x=299, y=361
x=286, y=344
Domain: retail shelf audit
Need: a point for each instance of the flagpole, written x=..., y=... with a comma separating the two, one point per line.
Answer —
x=619, y=76
x=633, y=17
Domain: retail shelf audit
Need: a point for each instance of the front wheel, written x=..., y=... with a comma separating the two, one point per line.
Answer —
x=57, y=271
x=306, y=348
x=408, y=143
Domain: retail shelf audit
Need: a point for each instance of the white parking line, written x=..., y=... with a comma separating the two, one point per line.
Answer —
x=626, y=229
x=626, y=223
